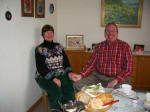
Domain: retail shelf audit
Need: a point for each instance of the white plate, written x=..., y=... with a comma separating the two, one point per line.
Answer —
x=93, y=88
x=131, y=94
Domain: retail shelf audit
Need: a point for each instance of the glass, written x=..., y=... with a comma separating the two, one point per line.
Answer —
x=112, y=31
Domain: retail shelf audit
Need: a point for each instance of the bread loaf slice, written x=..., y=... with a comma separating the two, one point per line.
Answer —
x=83, y=97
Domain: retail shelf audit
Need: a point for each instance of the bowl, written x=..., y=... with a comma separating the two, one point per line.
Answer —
x=55, y=110
x=72, y=106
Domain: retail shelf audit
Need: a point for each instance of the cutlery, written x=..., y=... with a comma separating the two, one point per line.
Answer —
x=110, y=103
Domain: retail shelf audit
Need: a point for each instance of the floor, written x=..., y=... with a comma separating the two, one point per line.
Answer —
x=40, y=108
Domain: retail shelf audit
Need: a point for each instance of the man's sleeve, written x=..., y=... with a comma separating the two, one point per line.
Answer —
x=128, y=63
x=91, y=64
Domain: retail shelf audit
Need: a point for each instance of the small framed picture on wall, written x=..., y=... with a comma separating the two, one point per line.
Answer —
x=27, y=8
x=39, y=8
x=138, y=48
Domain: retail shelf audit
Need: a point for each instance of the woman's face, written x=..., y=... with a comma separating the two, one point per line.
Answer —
x=48, y=36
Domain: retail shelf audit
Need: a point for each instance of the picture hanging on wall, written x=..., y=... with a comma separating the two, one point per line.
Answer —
x=125, y=13
x=27, y=7
x=39, y=8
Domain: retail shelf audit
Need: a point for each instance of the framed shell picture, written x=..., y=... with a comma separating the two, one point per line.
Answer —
x=74, y=42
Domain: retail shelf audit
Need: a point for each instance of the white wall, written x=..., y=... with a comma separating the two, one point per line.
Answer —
x=18, y=38
x=84, y=16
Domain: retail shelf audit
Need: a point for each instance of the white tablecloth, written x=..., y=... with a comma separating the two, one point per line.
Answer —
x=128, y=105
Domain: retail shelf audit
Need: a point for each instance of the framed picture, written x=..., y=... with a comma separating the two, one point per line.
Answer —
x=125, y=13
x=138, y=48
x=74, y=42
x=39, y=8
x=27, y=7
x=94, y=45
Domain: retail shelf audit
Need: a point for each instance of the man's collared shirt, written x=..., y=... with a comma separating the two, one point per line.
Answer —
x=113, y=59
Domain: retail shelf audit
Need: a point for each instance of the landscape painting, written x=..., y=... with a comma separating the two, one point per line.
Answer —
x=125, y=13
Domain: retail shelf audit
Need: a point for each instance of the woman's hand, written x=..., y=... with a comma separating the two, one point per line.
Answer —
x=74, y=77
x=57, y=81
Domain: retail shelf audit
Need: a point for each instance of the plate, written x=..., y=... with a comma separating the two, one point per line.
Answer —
x=51, y=8
x=103, y=109
x=131, y=95
x=93, y=88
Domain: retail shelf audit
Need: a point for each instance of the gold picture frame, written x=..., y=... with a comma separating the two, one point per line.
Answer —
x=74, y=42
x=124, y=13
x=27, y=8
x=39, y=8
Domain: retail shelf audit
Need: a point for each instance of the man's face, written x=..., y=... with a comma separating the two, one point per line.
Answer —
x=111, y=33
x=48, y=36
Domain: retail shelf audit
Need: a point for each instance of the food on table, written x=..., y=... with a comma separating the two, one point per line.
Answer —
x=94, y=102
x=103, y=97
x=93, y=88
x=83, y=97
x=95, y=93
x=109, y=97
x=95, y=98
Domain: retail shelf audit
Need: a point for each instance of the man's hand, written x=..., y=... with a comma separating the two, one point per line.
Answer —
x=57, y=81
x=74, y=77
x=112, y=84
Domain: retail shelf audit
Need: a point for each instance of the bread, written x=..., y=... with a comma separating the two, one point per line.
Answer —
x=103, y=97
x=95, y=93
x=109, y=97
x=83, y=97
x=95, y=103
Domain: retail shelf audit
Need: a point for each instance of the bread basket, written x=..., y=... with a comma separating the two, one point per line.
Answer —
x=104, y=109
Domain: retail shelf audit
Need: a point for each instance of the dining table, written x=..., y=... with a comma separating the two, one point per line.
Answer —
x=128, y=104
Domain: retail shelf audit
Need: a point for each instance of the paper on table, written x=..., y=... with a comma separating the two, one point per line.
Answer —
x=131, y=95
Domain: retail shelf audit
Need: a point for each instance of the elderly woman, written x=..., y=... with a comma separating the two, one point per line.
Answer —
x=53, y=69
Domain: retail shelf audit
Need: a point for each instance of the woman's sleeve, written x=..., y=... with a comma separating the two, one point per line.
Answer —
x=40, y=63
x=66, y=63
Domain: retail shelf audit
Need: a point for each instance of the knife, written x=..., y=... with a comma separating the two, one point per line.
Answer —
x=110, y=103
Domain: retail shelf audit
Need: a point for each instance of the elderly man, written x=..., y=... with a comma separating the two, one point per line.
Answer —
x=112, y=59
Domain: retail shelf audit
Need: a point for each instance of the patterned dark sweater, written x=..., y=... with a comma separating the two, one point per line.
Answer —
x=51, y=60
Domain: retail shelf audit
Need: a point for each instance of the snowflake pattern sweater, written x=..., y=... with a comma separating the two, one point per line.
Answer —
x=51, y=60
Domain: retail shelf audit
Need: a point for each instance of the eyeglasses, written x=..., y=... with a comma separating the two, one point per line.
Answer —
x=112, y=31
